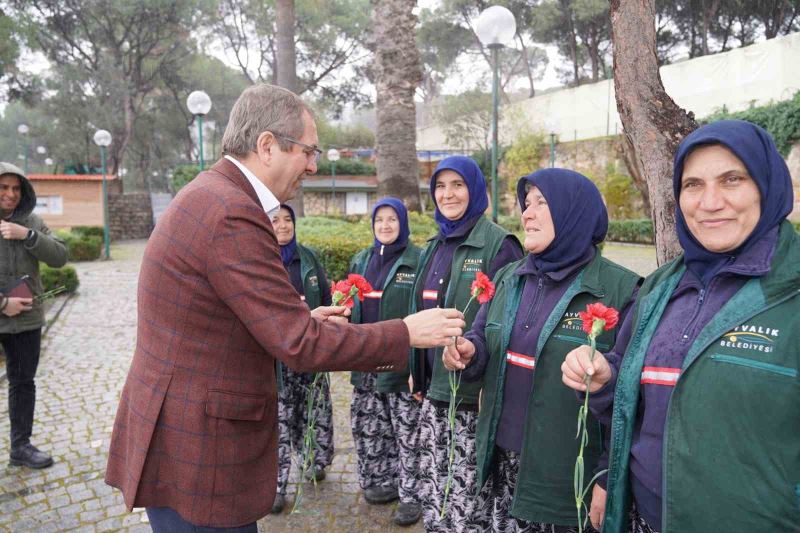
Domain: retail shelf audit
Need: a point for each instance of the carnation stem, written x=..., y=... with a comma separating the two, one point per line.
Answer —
x=310, y=435
x=583, y=434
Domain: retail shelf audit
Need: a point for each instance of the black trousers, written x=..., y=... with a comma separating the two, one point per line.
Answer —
x=22, y=360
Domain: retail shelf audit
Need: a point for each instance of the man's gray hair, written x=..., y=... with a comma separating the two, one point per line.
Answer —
x=263, y=107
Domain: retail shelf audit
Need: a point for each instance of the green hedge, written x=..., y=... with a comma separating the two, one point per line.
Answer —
x=81, y=247
x=53, y=278
x=636, y=231
x=88, y=231
x=346, y=167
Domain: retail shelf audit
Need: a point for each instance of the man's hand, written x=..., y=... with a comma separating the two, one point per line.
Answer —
x=16, y=306
x=458, y=356
x=434, y=327
x=333, y=313
x=577, y=366
x=416, y=395
x=12, y=231
x=598, y=509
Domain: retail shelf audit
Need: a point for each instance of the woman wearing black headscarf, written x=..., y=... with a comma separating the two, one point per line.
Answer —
x=309, y=280
x=704, y=417
x=526, y=442
x=467, y=243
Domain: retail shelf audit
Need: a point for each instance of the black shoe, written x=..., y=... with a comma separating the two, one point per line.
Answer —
x=407, y=514
x=379, y=495
x=28, y=455
x=317, y=474
x=278, y=504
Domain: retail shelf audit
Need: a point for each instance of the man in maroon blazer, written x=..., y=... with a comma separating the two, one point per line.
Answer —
x=195, y=437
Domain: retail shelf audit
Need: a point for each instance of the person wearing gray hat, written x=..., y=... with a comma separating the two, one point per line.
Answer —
x=26, y=241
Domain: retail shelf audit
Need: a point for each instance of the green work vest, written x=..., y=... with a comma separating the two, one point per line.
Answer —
x=397, y=291
x=544, y=490
x=731, y=457
x=475, y=254
x=311, y=272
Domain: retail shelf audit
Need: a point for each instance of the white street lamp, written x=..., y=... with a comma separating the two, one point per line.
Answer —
x=48, y=162
x=102, y=138
x=495, y=28
x=333, y=157
x=23, y=130
x=41, y=150
x=199, y=104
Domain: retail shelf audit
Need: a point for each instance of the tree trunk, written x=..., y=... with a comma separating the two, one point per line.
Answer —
x=398, y=72
x=626, y=151
x=652, y=121
x=286, y=66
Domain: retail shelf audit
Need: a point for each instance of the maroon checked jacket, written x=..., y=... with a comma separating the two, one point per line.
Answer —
x=196, y=427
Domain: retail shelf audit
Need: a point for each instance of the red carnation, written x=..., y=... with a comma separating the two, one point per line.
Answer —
x=362, y=285
x=341, y=293
x=605, y=317
x=482, y=288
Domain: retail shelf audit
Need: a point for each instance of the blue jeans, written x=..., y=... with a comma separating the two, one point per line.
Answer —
x=167, y=520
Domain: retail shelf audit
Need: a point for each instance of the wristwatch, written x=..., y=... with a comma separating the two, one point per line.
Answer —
x=30, y=235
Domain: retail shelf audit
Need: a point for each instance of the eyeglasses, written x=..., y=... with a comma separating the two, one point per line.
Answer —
x=311, y=151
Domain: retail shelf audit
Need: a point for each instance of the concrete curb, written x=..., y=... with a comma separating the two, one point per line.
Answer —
x=49, y=321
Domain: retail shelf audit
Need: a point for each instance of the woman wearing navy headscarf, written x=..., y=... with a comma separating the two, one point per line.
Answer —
x=703, y=405
x=383, y=415
x=309, y=280
x=526, y=444
x=467, y=243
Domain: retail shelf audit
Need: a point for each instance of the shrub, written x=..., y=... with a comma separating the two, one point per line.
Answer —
x=85, y=248
x=636, y=231
x=182, y=175
x=621, y=195
x=346, y=167
x=88, y=231
x=52, y=278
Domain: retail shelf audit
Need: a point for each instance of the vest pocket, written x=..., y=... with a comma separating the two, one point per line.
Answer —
x=758, y=365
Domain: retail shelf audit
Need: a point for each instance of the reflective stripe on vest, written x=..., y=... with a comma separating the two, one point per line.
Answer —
x=430, y=295
x=657, y=375
x=376, y=295
x=520, y=359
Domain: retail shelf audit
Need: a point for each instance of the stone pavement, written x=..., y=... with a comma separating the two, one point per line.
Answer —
x=85, y=358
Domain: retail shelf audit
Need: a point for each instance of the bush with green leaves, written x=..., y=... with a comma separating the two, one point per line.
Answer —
x=781, y=120
x=81, y=247
x=53, y=278
x=635, y=231
x=88, y=231
x=183, y=174
x=346, y=167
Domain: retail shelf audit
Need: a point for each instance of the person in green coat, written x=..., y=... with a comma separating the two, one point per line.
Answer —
x=701, y=389
x=383, y=414
x=26, y=240
x=526, y=443
x=309, y=280
x=467, y=243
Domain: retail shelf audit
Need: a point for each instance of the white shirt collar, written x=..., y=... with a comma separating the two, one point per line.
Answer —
x=269, y=203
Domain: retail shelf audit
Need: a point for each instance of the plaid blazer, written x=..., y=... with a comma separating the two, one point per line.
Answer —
x=196, y=427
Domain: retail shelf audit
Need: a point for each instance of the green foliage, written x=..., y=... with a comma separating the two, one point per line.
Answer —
x=183, y=174
x=523, y=156
x=466, y=119
x=336, y=240
x=781, y=120
x=88, y=231
x=81, y=247
x=53, y=278
x=353, y=136
x=346, y=167
x=635, y=231
x=620, y=195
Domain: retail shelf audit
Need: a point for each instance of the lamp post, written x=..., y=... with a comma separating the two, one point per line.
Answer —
x=552, y=149
x=199, y=104
x=495, y=27
x=41, y=150
x=102, y=138
x=333, y=157
x=23, y=129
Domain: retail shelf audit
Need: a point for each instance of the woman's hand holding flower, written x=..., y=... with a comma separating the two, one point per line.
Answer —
x=578, y=364
x=458, y=356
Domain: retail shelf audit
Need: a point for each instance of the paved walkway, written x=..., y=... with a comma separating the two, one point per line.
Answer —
x=85, y=359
